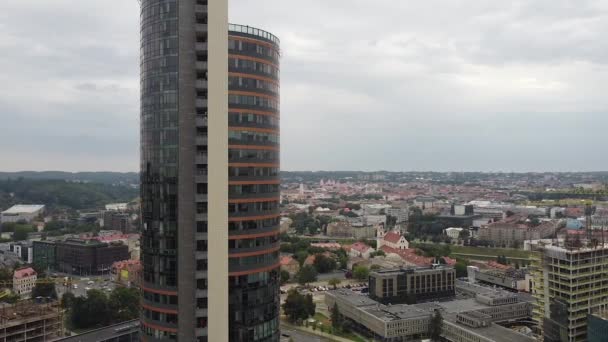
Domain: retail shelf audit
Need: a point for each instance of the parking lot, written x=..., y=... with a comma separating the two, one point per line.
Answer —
x=79, y=285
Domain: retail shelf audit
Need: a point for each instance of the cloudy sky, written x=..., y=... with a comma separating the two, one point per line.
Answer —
x=366, y=85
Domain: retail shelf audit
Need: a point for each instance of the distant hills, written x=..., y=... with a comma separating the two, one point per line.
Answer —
x=125, y=178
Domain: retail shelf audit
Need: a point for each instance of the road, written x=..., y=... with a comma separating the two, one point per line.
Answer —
x=299, y=336
x=80, y=285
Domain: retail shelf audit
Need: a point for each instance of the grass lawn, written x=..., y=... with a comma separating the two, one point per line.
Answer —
x=489, y=251
x=508, y=252
x=319, y=317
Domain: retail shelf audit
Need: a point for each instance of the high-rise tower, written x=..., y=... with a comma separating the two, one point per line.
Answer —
x=209, y=175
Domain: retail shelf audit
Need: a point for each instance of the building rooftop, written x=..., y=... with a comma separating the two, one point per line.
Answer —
x=24, y=272
x=117, y=206
x=23, y=209
x=254, y=32
x=493, y=332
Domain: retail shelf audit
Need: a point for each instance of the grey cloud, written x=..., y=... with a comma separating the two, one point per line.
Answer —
x=401, y=85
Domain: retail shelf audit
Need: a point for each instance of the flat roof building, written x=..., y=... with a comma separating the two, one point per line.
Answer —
x=411, y=285
x=465, y=320
x=22, y=213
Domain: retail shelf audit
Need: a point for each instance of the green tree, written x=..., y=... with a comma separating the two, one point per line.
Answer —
x=8, y=227
x=284, y=277
x=44, y=289
x=461, y=269
x=361, y=272
x=123, y=304
x=336, y=320
x=301, y=256
x=464, y=234
x=54, y=226
x=90, y=311
x=67, y=300
x=6, y=274
x=324, y=264
x=377, y=253
x=334, y=282
x=298, y=307
x=21, y=233
x=307, y=274
x=435, y=326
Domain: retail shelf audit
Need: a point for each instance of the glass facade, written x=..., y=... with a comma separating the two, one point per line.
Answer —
x=253, y=175
x=159, y=162
x=253, y=137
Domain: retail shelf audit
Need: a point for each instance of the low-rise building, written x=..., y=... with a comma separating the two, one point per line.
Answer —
x=22, y=213
x=359, y=249
x=411, y=285
x=289, y=264
x=127, y=272
x=453, y=232
x=402, y=214
x=464, y=320
x=513, y=231
x=24, y=280
x=24, y=250
x=392, y=239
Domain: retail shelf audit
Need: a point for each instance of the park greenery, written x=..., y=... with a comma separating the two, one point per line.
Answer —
x=298, y=307
x=98, y=309
x=435, y=326
x=62, y=194
x=307, y=274
x=361, y=272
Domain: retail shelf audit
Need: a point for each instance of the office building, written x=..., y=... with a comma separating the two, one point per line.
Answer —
x=44, y=254
x=24, y=250
x=86, y=257
x=116, y=220
x=464, y=320
x=597, y=327
x=572, y=283
x=412, y=285
x=209, y=175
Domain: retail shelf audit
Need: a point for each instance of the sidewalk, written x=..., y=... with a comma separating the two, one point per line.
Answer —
x=327, y=336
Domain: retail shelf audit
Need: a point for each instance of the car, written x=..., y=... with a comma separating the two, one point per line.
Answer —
x=87, y=288
x=90, y=282
x=75, y=286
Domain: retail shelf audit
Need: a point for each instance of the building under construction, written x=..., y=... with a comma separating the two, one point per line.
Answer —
x=570, y=283
x=30, y=321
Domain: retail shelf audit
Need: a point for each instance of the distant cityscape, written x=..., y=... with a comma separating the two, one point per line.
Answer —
x=381, y=255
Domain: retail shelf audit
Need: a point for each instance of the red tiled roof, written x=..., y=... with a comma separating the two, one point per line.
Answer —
x=409, y=255
x=360, y=247
x=449, y=261
x=494, y=264
x=393, y=237
x=286, y=260
x=24, y=272
x=310, y=260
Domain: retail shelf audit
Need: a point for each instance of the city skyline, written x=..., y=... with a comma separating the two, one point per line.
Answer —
x=495, y=87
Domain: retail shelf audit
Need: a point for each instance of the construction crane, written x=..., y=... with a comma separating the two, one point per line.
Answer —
x=67, y=282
